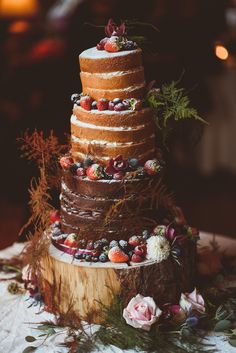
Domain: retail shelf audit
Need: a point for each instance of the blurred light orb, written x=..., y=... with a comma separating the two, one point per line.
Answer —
x=221, y=52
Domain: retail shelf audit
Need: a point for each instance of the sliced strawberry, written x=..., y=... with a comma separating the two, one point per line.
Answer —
x=71, y=240
x=116, y=255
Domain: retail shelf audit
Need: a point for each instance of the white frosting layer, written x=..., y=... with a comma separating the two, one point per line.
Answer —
x=112, y=112
x=83, y=155
x=93, y=53
x=106, y=143
x=113, y=73
x=126, y=89
x=79, y=123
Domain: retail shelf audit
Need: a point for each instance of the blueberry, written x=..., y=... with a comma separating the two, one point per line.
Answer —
x=133, y=162
x=146, y=234
x=95, y=259
x=57, y=224
x=88, y=258
x=130, y=253
x=192, y=321
x=73, y=168
x=87, y=162
x=56, y=232
x=75, y=97
x=117, y=100
x=79, y=165
x=113, y=243
x=104, y=241
x=77, y=102
x=103, y=257
x=78, y=256
x=94, y=105
x=123, y=244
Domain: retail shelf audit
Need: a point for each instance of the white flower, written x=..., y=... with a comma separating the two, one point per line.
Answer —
x=158, y=248
x=192, y=301
x=141, y=312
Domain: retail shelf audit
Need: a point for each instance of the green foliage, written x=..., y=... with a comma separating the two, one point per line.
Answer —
x=171, y=105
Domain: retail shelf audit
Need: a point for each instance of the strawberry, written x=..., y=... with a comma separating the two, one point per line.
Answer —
x=117, y=255
x=113, y=44
x=136, y=258
x=102, y=104
x=134, y=240
x=86, y=102
x=152, y=167
x=55, y=216
x=140, y=250
x=80, y=171
x=94, y=172
x=71, y=241
x=66, y=162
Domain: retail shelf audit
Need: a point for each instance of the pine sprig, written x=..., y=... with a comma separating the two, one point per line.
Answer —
x=171, y=105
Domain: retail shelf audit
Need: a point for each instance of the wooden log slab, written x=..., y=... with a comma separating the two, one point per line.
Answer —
x=79, y=287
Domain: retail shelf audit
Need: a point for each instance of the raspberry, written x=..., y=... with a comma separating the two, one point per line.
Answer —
x=102, y=104
x=86, y=102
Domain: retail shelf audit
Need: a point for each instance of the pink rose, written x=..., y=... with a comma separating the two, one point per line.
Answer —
x=141, y=312
x=192, y=301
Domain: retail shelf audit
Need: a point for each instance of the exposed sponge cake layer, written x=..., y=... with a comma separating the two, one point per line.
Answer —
x=134, y=91
x=93, y=60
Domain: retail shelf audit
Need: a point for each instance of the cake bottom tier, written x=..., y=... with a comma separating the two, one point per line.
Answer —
x=74, y=288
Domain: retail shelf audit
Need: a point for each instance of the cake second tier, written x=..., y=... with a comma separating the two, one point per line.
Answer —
x=106, y=134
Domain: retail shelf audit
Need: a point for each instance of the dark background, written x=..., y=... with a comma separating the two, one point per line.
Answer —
x=39, y=47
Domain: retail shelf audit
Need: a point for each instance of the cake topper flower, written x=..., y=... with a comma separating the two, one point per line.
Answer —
x=112, y=29
x=141, y=312
x=116, y=165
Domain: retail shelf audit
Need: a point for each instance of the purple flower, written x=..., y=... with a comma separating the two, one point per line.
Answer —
x=112, y=29
x=116, y=165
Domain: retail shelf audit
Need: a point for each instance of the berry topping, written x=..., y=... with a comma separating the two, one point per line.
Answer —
x=119, y=107
x=129, y=45
x=104, y=241
x=113, y=243
x=102, y=104
x=94, y=172
x=90, y=245
x=140, y=250
x=101, y=44
x=118, y=176
x=111, y=105
x=126, y=103
x=78, y=256
x=88, y=162
x=103, y=257
x=98, y=245
x=134, y=240
x=116, y=165
x=77, y=102
x=56, y=232
x=71, y=240
x=152, y=167
x=136, y=258
x=133, y=162
x=86, y=102
x=75, y=97
x=117, y=100
x=80, y=171
x=55, y=216
x=88, y=258
x=66, y=162
x=96, y=253
x=113, y=44
x=94, y=105
x=117, y=255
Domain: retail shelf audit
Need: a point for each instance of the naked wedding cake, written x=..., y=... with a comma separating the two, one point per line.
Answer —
x=114, y=235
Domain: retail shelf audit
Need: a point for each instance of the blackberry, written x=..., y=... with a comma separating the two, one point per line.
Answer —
x=88, y=258
x=73, y=168
x=75, y=97
x=78, y=256
x=88, y=162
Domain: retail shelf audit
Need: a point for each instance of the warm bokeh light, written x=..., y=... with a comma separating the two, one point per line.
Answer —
x=18, y=27
x=221, y=52
x=18, y=8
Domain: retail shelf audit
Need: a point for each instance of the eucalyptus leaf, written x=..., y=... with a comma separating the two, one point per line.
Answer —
x=30, y=339
x=222, y=325
x=232, y=341
x=29, y=349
